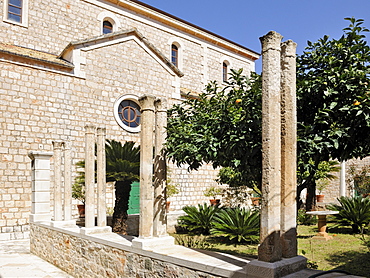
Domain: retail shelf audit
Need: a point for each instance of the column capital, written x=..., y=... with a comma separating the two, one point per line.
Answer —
x=288, y=48
x=160, y=105
x=57, y=144
x=101, y=130
x=271, y=41
x=147, y=102
x=90, y=129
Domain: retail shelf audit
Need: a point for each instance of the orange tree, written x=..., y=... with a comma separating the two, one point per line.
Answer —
x=223, y=125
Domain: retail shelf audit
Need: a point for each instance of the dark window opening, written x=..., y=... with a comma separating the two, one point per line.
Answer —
x=129, y=113
x=15, y=10
x=107, y=27
x=175, y=55
x=224, y=72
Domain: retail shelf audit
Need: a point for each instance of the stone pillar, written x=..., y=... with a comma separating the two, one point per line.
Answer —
x=58, y=201
x=89, y=176
x=269, y=249
x=288, y=150
x=160, y=217
x=40, y=165
x=342, y=190
x=67, y=182
x=146, y=166
x=101, y=179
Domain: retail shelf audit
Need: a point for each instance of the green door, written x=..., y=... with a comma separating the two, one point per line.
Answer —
x=134, y=201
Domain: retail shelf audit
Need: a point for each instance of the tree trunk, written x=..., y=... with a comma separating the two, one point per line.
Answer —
x=311, y=195
x=122, y=189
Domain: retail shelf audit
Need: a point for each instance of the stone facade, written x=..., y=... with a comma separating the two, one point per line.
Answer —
x=58, y=73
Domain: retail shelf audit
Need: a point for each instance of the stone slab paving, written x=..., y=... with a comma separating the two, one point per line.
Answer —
x=17, y=261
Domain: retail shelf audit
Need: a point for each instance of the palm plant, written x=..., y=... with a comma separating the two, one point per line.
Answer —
x=122, y=166
x=198, y=219
x=237, y=224
x=353, y=211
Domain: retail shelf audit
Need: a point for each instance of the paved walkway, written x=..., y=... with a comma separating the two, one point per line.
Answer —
x=17, y=261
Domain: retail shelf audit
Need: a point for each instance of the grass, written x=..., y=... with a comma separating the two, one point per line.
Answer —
x=345, y=251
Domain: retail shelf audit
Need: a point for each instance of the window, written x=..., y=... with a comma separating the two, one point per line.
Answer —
x=224, y=72
x=15, y=10
x=175, y=55
x=107, y=27
x=127, y=113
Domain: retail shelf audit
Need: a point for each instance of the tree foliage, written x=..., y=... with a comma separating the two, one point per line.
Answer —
x=333, y=101
x=223, y=125
x=220, y=127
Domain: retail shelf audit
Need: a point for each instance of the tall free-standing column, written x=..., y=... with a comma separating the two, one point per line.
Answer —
x=40, y=209
x=58, y=200
x=269, y=249
x=89, y=176
x=101, y=179
x=288, y=150
x=146, y=166
x=67, y=182
x=160, y=217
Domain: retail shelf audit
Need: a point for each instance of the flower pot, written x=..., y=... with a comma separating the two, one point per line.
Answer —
x=215, y=202
x=320, y=198
x=255, y=201
x=168, y=206
x=81, y=210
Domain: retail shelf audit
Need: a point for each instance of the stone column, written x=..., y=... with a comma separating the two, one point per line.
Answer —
x=89, y=176
x=146, y=166
x=58, y=201
x=40, y=165
x=101, y=179
x=160, y=217
x=269, y=249
x=67, y=182
x=288, y=150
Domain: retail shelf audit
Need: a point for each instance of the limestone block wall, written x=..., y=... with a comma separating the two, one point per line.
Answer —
x=81, y=257
x=39, y=106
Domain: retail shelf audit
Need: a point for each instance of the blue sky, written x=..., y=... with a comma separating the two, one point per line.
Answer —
x=244, y=21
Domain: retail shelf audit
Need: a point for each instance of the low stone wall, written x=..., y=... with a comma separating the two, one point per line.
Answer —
x=87, y=256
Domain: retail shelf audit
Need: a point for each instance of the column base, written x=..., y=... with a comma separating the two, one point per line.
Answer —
x=322, y=236
x=95, y=230
x=260, y=269
x=153, y=242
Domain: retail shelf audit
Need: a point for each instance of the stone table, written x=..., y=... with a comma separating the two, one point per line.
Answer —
x=322, y=234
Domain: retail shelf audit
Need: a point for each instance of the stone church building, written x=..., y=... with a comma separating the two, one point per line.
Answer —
x=67, y=64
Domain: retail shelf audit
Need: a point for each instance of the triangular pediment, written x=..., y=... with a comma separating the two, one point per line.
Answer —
x=72, y=52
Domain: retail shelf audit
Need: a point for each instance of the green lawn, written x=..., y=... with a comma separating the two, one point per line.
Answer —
x=345, y=251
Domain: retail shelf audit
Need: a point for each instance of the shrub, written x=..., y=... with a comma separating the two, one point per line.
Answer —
x=305, y=219
x=237, y=224
x=353, y=211
x=193, y=241
x=198, y=219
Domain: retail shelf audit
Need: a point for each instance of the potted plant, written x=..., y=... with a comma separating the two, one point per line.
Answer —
x=171, y=190
x=324, y=175
x=321, y=184
x=78, y=192
x=256, y=196
x=213, y=192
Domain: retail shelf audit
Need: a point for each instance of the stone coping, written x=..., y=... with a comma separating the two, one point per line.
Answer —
x=218, y=264
x=323, y=212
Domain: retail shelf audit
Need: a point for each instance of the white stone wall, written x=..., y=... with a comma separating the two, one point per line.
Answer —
x=38, y=106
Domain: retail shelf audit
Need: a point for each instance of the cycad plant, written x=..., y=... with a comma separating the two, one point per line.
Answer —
x=237, y=224
x=353, y=211
x=198, y=219
x=122, y=166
